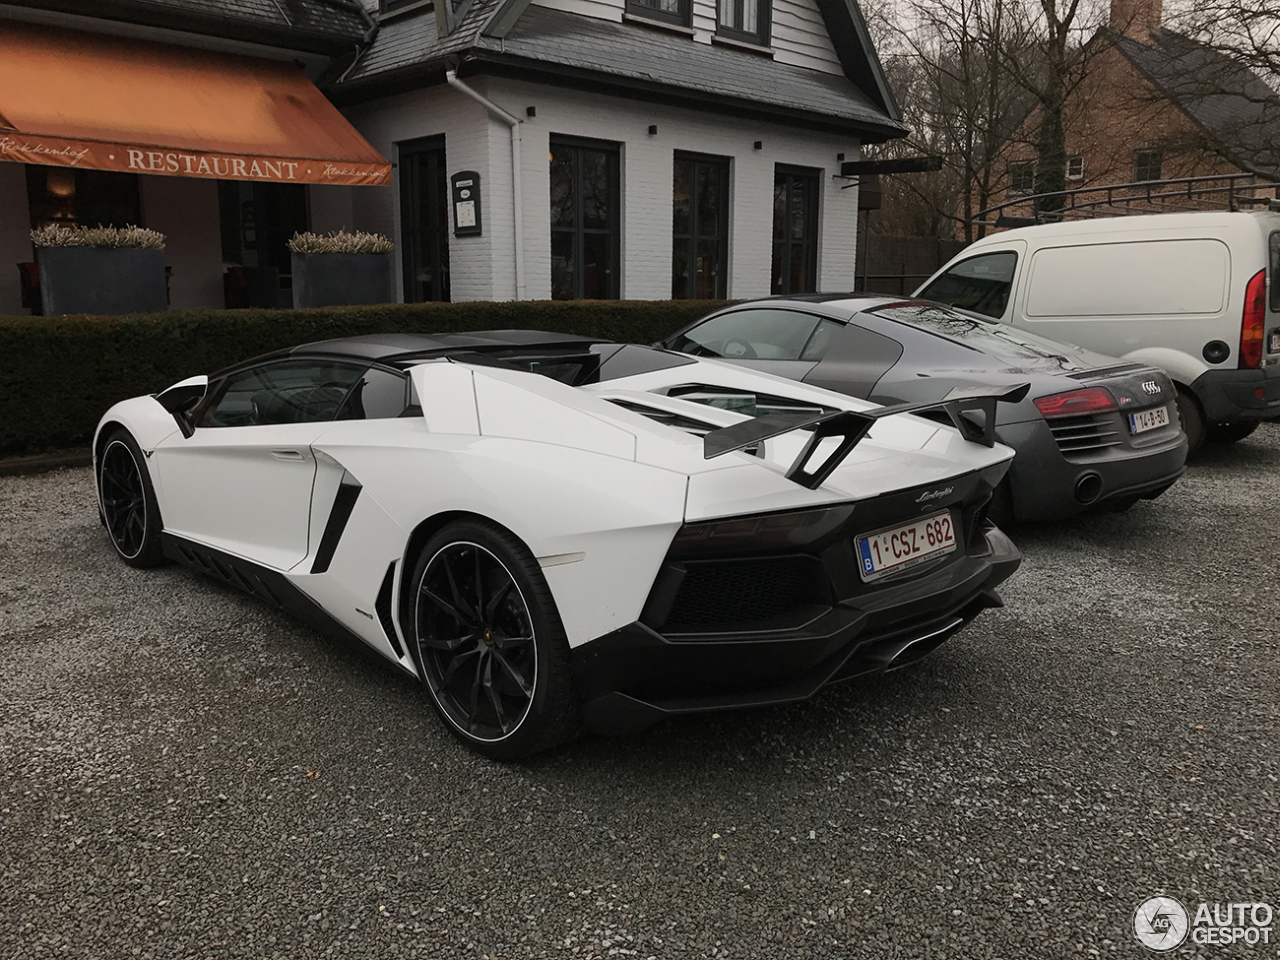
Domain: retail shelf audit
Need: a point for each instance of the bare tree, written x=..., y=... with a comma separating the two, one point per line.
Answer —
x=949, y=59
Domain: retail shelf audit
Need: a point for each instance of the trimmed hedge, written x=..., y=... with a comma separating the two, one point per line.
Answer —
x=59, y=375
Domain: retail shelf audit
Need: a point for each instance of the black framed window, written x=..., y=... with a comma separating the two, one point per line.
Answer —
x=424, y=220
x=744, y=20
x=1022, y=177
x=586, y=211
x=668, y=11
x=70, y=197
x=795, y=230
x=700, y=228
x=1146, y=165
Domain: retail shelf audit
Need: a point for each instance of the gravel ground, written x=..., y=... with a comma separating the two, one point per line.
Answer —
x=185, y=773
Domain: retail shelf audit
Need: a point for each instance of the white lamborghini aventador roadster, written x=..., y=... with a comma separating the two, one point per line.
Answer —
x=556, y=534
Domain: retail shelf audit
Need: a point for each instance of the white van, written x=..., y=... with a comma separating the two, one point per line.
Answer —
x=1187, y=292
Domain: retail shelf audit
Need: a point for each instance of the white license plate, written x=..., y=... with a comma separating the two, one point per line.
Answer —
x=1145, y=420
x=892, y=550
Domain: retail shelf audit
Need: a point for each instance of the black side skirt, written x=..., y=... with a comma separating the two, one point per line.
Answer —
x=266, y=584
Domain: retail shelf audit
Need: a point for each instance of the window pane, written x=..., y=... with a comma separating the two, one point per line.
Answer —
x=378, y=395
x=301, y=391
x=597, y=195
x=562, y=260
x=800, y=281
x=750, y=20
x=780, y=209
x=680, y=270
x=751, y=334
x=681, y=198
x=561, y=187
x=597, y=266
x=708, y=269
x=817, y=346
x=710, y=200
x=798, y=210
x=980, y=284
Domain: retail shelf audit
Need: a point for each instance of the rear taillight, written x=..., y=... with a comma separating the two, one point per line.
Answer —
x=1076, y=402
x=1253, y=322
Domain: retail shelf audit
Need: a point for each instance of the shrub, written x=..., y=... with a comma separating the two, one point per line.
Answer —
x=60, y=374
x=53, y=235
x=340, y=241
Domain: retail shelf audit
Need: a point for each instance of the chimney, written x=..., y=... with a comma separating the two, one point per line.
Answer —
x=1135, y=18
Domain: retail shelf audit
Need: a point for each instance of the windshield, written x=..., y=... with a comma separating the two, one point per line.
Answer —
x=989, y=336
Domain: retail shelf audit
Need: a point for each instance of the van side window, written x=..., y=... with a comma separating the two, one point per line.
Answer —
x=1273, y=271
x=980, y=284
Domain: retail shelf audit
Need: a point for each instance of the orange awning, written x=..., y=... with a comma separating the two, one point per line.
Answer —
x=86, y=100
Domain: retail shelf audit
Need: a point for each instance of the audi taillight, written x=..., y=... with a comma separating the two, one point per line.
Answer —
x=1253, y=322
x=1076, y=402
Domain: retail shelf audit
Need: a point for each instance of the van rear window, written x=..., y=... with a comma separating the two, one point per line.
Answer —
x=1131, y=279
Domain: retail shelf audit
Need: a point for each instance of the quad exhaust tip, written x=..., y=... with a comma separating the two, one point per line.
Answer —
x=1089, y=488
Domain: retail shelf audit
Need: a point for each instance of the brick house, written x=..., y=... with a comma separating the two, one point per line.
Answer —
x=531, y=148
x=1154, y=106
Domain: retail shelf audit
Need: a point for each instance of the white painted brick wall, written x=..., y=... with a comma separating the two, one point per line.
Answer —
x=480, y=268
x=484, y=267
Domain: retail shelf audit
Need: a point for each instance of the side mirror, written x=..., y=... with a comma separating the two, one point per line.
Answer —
x=181, y=397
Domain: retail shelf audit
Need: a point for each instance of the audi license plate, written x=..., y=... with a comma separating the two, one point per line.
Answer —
x=892, y=550
x=1145, y=420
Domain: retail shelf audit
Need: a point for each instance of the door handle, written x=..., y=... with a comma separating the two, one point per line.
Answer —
x=288, y=455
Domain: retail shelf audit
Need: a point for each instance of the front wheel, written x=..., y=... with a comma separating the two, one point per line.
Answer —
x=489, y=643
x=1192, y=420
x=1232, y=432
x=129, y=509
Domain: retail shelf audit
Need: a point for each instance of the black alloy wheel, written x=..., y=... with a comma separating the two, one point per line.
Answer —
x=129, y=507
x=489, y=643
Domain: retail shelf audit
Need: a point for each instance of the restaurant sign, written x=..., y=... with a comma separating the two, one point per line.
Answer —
x=95, y=155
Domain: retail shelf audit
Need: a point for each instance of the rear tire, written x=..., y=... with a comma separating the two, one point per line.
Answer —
x=489, y=644
x=128, y=502
x=1192, y=418
x=1231, y=432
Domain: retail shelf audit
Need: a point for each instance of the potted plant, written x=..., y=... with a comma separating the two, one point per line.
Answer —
x=100, y=269
x=340, y=268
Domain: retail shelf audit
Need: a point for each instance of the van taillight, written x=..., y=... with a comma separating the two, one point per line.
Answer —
x=1253, y=322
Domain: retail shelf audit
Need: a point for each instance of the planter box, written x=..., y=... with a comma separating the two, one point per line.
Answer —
x=340, y=279
x=101, y=280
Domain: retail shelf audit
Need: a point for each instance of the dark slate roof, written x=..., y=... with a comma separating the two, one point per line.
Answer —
x=1237, y=111
x=328, y=26
x=407, y=41
x=579, y=50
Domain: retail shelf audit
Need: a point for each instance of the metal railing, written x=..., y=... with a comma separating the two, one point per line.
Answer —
x=1229, y=191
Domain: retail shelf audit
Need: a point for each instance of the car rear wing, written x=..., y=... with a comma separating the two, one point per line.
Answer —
x=850, y=426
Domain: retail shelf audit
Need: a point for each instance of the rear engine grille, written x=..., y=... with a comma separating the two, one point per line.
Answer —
x=1077, y=436
x=723, y=592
